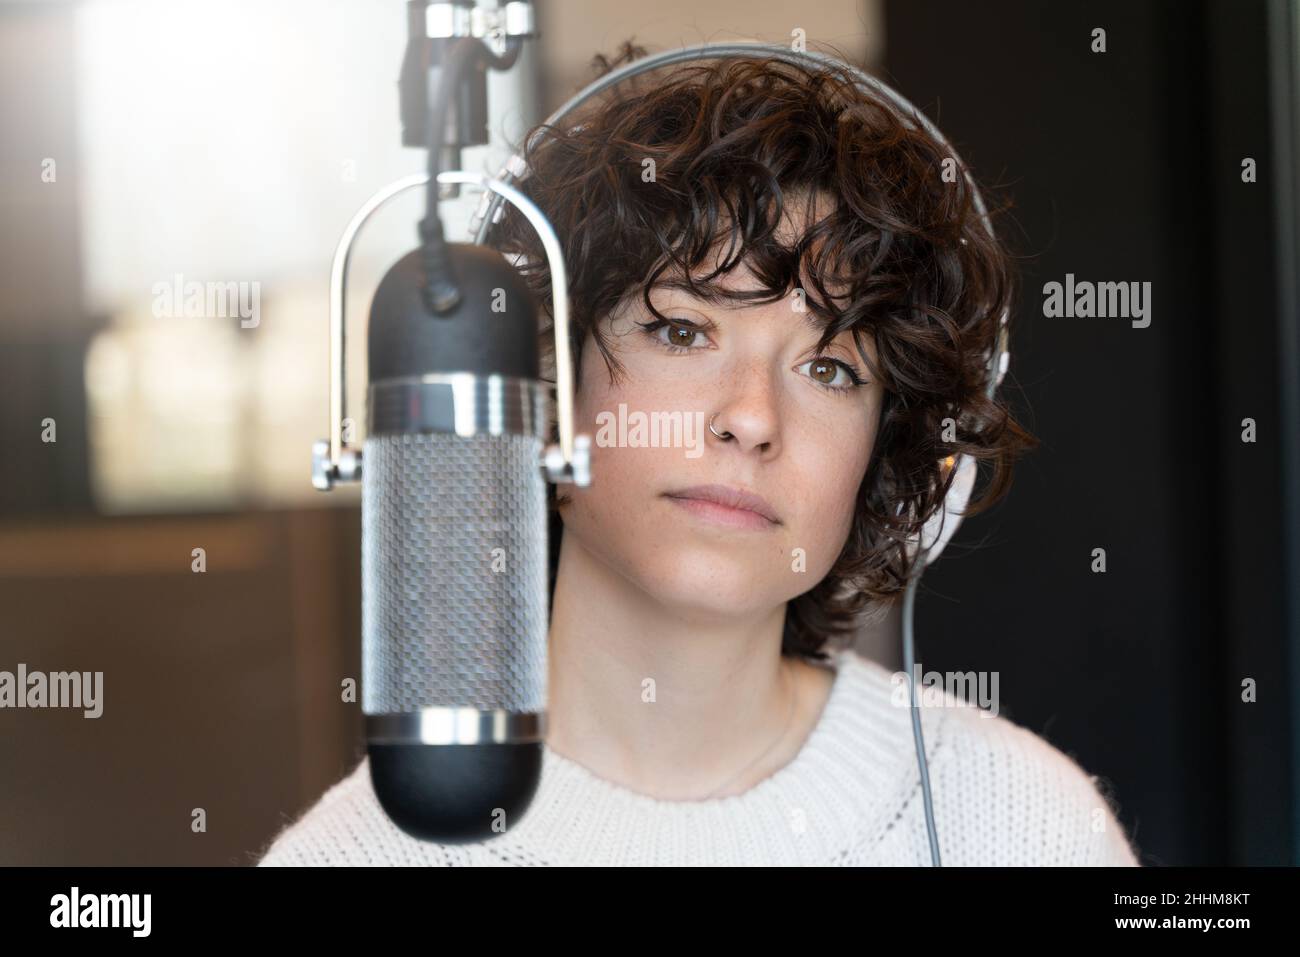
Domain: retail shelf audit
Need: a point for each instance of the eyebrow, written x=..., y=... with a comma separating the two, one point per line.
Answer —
x=712, y=296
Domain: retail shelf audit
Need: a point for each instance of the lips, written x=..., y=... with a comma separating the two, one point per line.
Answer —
x=729, y=497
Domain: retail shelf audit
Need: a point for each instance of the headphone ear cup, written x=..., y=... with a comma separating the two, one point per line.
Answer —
x=941, y=526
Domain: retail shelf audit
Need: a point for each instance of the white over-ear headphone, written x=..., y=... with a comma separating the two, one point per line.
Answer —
x=939, y=528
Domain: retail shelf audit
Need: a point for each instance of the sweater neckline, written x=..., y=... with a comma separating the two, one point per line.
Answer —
x=846, y=776
x=814, y=746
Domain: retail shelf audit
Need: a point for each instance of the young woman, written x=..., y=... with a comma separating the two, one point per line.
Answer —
x=771, y=251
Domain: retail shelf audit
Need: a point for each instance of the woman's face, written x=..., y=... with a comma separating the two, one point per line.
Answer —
x=802, y=440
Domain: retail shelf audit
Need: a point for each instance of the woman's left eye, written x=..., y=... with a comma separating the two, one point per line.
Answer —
x=833, y=374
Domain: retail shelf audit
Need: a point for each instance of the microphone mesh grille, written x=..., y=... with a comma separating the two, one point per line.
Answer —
x=453, y=573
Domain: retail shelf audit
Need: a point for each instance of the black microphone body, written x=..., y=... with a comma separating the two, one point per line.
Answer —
x=454, y=551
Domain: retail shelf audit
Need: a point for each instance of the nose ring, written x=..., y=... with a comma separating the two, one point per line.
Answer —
x=723, y=435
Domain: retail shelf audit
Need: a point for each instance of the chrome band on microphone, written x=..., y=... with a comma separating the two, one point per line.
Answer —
x=459, y=403
x=456, y=726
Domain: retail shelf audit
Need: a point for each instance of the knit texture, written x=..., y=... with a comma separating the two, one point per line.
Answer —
x=851, y=796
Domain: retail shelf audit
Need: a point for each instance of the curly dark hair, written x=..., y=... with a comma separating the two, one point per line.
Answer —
x=732, y=139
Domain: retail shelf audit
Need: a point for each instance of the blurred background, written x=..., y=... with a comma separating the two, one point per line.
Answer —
x=145, y=144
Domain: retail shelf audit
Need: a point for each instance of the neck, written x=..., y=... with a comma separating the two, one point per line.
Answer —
x=669, y=701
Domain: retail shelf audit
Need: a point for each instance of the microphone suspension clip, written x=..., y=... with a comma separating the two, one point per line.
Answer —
x=569, y=460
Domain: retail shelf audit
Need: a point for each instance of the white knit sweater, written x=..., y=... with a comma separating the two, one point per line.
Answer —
x=851, y=796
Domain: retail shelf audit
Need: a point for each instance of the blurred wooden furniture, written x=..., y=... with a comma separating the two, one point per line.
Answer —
x=221, y=689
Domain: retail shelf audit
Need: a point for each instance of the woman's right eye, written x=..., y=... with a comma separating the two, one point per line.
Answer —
x=677, y=335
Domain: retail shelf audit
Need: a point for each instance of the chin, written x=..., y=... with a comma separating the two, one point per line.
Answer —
x=712, y=580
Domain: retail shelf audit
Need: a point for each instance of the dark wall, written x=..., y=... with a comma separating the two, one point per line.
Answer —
x=1126, y=166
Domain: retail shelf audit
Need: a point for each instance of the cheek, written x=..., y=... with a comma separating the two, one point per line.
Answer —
x=623, y=477
x=613, y=514
x=830, y=473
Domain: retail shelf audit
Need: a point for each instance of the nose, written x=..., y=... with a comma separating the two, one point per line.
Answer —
x=749, y=408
